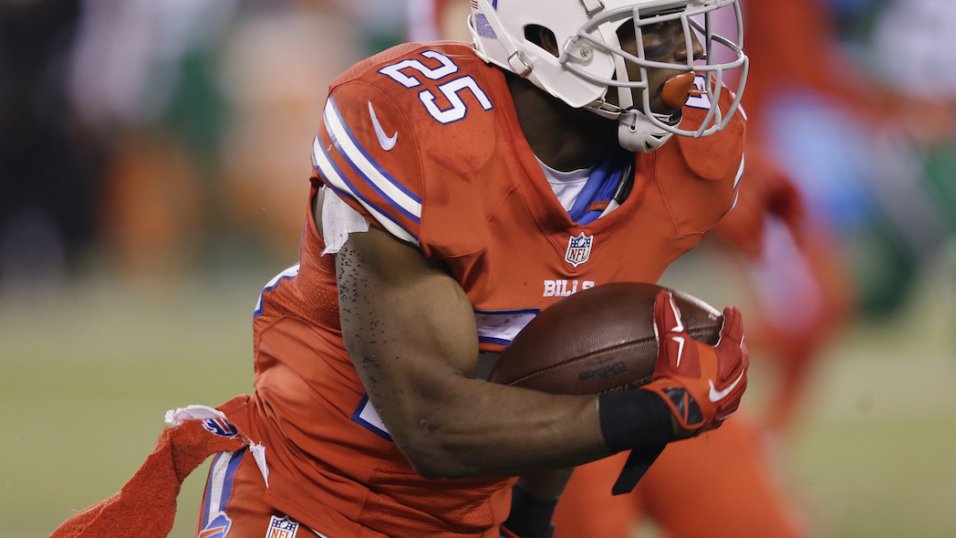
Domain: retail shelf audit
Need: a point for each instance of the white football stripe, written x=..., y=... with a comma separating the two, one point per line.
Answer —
x=328, y=171
x=740, y=171
x=368, y=170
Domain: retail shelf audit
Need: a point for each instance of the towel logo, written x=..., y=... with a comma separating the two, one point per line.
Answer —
x=220, y=426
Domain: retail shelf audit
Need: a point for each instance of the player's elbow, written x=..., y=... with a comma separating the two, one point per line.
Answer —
x=430, y=467
x=434, y=454
x=434, y=466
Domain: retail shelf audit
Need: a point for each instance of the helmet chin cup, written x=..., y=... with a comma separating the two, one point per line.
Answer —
x=635, y=132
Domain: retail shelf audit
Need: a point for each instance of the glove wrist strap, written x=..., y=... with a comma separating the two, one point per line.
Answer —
x=634, y=419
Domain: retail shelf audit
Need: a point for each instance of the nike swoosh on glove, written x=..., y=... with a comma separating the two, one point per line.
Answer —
x=701, y=384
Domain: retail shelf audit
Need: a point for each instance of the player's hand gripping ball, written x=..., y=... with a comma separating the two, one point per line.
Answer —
x=701, y=384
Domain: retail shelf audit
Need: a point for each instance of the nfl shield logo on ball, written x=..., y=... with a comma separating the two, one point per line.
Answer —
x=579, y=249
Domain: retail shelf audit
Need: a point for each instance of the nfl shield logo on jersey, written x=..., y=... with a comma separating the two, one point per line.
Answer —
x=579, y=249
x=282, y=528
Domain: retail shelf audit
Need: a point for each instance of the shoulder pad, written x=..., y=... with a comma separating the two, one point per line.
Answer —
x=404, y=134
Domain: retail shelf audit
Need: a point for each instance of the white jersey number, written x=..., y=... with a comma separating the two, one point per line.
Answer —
x=457, y=109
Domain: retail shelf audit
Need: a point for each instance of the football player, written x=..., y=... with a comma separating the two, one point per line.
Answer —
x=575, y=141
x=738, y=496
x=452, y=183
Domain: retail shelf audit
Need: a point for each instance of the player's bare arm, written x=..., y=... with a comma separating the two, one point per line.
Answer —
x=411, y=332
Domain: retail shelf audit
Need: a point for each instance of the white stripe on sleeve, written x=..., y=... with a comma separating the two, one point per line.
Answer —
x=331, y=174
x=368, y=170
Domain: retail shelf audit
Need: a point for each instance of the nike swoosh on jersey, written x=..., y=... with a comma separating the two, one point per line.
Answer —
x=717, y=395
x=387, y=142
x=364, y=180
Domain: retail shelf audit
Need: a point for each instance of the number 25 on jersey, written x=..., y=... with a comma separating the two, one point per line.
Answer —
x=408, y=72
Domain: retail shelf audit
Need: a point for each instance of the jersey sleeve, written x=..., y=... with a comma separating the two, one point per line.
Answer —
x=366, y=151
x=718, y=157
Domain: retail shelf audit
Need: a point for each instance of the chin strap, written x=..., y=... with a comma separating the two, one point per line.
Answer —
x=636, y=132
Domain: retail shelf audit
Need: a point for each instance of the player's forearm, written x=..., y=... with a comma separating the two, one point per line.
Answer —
x=478, y=429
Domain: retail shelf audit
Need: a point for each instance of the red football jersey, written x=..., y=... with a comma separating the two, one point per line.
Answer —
x=423, y=140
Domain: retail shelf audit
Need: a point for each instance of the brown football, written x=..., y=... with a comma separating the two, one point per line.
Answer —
x=598, y=340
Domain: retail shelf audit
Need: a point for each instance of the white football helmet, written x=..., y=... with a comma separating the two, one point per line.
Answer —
x=591, y=60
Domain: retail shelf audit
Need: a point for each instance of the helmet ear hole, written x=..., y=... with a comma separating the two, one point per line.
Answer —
x=542, y=37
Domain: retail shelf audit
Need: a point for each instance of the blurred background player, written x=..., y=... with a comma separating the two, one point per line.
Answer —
x=202, y=139
x=857, y=118
x=50, y=166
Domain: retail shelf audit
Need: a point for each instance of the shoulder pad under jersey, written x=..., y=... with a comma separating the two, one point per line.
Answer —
x=399, y=125
x=718, y=156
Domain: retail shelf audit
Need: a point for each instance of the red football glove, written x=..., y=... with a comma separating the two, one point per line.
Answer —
x=701, y=384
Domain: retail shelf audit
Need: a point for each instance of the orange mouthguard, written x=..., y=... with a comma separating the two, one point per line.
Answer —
x=678, y=89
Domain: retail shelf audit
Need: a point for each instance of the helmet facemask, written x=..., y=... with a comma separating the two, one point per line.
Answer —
x=641, y=128
x=591, y=60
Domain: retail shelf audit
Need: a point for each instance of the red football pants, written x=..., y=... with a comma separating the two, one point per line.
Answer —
x=233, y=503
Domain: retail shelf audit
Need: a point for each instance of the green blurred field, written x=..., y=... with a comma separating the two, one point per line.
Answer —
x=88, y=377
x=89, y=372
